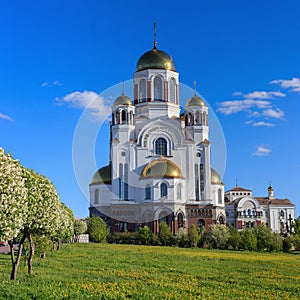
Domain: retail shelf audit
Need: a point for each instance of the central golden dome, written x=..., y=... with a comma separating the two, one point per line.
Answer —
x=161, y=168
x=155, y=59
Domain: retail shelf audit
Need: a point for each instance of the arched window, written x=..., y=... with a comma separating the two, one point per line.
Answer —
x=249, y=212
x=197, y=195
x=163, y=190
x=96, y=201
x=142, y=91
x=201, y=223
x=219, y=196
x=158, y=88
x=197, y=117
x=126, y=182
x=178, y=191
x=148, y=192
x=123, y=116
x=121, y=182
x=180, y=220
x=172, y=90
x=161, y=147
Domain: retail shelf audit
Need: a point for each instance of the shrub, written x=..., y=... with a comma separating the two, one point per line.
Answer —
x=296, y=241
x=145, y=235
x=287, y=244
x=217, y=236
x=234, y=238
x=193, y=236
x=182, y=238
x=97, y=229
x=165, y=234
x=266, y=239
x=248, y=240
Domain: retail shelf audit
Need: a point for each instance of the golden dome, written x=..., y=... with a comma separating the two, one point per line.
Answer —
x=103, y=175
x=155, y=59
x=161, y=168
x=270, y=188
x=123, y=100
x=215, y=178
x=195, y=101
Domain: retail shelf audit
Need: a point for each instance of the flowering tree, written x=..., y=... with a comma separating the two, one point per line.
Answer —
x=13, y=204
x=29, y=206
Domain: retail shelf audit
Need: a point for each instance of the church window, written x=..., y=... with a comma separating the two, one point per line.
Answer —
x=163, y=190
x=123, y=116
x=161, y=147
x=197, y=195
x=220, y=196
x=201, y=223
x=249, y=212
x=202, y=180
x=121, y=182
x=197, y=118
x=158, y=88
x=148, y=192
x=178, y=191
x=142, y=92
x=96, y=196
x=281, y=213
x=180, y=220
x=126, y=182
x=172, y=90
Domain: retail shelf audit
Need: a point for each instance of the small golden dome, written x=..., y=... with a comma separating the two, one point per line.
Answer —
x=195, y=101
x=161, y=168
x=155, y=59
x=215, y=178
x=102, y=176
x=123, y=100
x=270, y=188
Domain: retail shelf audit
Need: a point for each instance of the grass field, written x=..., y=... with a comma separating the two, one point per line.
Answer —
x=95, y=271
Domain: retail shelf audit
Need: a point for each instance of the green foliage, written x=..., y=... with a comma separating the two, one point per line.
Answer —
x=165, y=234
x=193, y=236
x=104, y=271
x=80, y=227
x=217, y=236
x=97, y=229
x=266, y=239
x=145, y=235
x=234, y=238
x=182, y=238
x=296, y=225
x=125, y=237
x=287, y=244
x=248, y=240
x=296, y=241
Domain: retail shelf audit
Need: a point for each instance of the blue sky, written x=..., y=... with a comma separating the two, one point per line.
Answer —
x=56, y=56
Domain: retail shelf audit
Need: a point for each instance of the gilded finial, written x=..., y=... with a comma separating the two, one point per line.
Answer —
x=195, y=88
x=154, y=31
x=123, y=88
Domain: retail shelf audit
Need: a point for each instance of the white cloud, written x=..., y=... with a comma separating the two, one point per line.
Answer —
x=99, y=107
x=56, y=83
x=234, y=106
x=273, y=113
x=262, y=123
x=45, y=84
x=6, y=117
x=48, y=84
x=263, y=95
x=237, y=94
x=292, y=84
x=262, y=151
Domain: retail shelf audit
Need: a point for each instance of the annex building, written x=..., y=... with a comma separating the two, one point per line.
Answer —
x=160, y=167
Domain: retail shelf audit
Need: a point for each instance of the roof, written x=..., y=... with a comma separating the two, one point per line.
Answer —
x=273, y=201
x=238, y=189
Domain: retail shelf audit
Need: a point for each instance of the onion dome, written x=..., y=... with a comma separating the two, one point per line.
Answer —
x=215, y=178
x=102, y=176
x=161, y=168
x=195, y=101
x=123, y=100
x=155, y=59
x=270, y=188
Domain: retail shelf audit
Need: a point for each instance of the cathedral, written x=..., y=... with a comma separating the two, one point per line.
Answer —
x=160, y=167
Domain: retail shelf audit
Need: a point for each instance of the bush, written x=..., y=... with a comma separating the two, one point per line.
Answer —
x=97, y=229
x=165, y=234
x=145, y=235
x=126, y=238
x=155, y=240
x=182, y=238
x=234, y=238
x=193, y=236
x=296, y=241
x=248, y=240
x=217, y=236
x=267, y=239
x=287, y=244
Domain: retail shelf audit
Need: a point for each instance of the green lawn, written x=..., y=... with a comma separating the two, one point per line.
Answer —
x=94, y=271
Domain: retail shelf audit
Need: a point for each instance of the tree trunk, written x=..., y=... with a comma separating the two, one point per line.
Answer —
x=31, y=254
x=15, y=263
